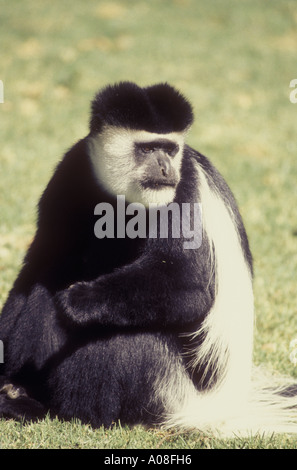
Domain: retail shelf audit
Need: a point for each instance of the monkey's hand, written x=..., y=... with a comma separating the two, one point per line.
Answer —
x=79, y=301
x=104, y=301
x=136, y=296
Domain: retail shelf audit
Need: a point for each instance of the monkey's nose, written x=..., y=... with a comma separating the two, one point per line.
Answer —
x=164, y=165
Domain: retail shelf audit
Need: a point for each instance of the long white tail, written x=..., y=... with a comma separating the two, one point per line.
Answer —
x=244, y=400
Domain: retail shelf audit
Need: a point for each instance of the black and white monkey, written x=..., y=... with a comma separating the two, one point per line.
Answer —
x=138, y=329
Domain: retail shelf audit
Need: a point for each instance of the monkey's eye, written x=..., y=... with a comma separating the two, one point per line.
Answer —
x=172, y=151
x=147, y=149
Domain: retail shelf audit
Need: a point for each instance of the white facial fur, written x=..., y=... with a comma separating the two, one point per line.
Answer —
x=112, y=157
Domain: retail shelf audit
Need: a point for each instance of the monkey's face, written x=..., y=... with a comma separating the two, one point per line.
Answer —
x=143, y=166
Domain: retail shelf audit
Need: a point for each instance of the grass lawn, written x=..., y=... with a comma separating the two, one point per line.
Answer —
x=234, y=61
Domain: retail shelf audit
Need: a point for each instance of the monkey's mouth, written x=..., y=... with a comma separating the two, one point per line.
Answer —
x=158, y=184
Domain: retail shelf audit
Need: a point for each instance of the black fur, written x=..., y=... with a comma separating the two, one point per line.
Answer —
x=15, y=403
x=93, y=350
x=159, y=108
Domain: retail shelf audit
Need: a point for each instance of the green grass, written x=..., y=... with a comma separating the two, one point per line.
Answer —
x=234, y=61
x=55, y=434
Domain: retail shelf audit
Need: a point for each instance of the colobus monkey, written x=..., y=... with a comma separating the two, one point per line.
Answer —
x=139, y=329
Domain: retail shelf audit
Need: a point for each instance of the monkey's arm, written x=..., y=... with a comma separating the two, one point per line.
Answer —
x=140, y=295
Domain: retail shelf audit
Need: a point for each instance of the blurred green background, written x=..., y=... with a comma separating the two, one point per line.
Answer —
x=234, y=61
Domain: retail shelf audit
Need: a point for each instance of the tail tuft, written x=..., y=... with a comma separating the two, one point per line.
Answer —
x=269, y=407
